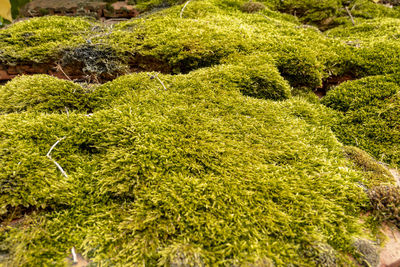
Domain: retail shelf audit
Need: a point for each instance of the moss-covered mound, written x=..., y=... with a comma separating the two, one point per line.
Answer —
x=370, y=120
x=41, y=39
x=374, y=48
x=176, y=40
x=42, y=93
x=196, y=173
x=214, y=153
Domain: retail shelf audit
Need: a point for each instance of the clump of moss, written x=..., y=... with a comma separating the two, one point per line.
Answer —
x=356, y=94
x=169, y=43
x=367, y=252
x=385, y=203
x=377, y=173
x=148, y=5
x=41, y=39
x=42, y=93
x=312, y=11
x=253, y=75
x=178, y=175
x=371, y=112
x=252, y=7
x=373, y=45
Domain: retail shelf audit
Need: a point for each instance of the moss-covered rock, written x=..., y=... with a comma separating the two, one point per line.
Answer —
x=214, y=165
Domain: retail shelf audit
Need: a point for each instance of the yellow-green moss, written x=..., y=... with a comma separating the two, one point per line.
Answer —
x=373, y=44
x=41, y=39
x=371, y=112
x=375, y=171
x=201, y=167
x=42, y=93
x=192, y=173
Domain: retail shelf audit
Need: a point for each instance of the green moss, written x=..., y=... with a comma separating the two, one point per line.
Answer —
x=371, y=107
x=147, y=5
x=374, y=49
x=375, y=171
x=42, y=93
x=179, y=175
x=41, y=39
x=356, y=94
x=204, y=167
x=207, y=36
x=312, y=11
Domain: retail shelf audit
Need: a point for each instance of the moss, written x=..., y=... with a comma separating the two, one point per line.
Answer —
x=374, y=49
x=42, y=93
x=368, y=252
x=216, y=165
x=178, y=175
x=208, y=35
x=371, y=111
x=41, y=39
x=146, y=5
x=376, y=172
x=252, y=7
x=356, y=94
x=311, y=11
x=385, y=203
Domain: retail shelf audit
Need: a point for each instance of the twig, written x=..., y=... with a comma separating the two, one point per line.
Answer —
x=74, y=256
x=165, y=88
x=156, y=76
x=265, y=16
x=59, y=68
x=183, y=8
x=350, y=15
x=55, y=162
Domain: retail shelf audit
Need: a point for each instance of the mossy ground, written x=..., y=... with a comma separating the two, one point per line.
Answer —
x=217, y=155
